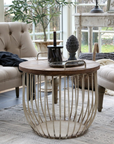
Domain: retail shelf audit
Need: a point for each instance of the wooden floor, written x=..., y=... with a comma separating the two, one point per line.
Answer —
x=8, y=98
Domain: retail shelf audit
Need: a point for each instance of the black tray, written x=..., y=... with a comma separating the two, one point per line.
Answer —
x=69, y=64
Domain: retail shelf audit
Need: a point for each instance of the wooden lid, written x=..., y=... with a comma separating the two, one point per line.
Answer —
x=52, y=46
x=41, y=67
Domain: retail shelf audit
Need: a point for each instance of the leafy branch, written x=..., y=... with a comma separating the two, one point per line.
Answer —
x=37, y=11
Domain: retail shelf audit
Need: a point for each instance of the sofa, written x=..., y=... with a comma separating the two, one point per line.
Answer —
x=14, y=38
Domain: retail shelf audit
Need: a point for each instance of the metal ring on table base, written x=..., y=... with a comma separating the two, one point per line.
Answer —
x=72, y=113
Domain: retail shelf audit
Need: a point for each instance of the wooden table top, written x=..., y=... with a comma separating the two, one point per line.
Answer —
x=41, y=67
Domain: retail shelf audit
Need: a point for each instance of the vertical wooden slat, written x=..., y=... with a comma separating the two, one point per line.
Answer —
x=68, y=106
x=90, y=38
x=24, y=104
x=45, y=97
x=78, y=35
x=96, y=90
x=31, y=100
x=38, y=106
x=77, y=102
x=75, y=114
x=60, y=106
x=94, y=108
x=30, y=116
x=82, y=107
x=53, y=114
x=88, y=105
x=41, y=103
x=64, y=97
x=72, y=98
x=37, y=101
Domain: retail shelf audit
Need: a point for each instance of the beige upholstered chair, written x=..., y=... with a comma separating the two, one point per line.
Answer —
x=105, y=76
x=14, y=38
x=105, y=80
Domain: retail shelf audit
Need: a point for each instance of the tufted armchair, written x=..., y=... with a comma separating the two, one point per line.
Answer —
x=14, y=38
x=105, y=79
x=105, y=74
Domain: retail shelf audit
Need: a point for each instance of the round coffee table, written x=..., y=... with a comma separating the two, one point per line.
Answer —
x=69, y=110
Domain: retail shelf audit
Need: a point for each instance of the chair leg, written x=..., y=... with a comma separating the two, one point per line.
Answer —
x=101, y=91
x=34, y=87
x=17, y=92
x=29, y=86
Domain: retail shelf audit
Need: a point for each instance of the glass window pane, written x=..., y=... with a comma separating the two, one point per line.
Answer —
x=7, y=2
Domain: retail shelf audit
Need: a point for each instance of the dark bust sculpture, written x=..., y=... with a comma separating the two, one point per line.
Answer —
x=72, y=46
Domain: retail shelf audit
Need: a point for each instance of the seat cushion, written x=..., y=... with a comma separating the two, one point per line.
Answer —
x=7, y=73
x=11, y=77
x=99, y=56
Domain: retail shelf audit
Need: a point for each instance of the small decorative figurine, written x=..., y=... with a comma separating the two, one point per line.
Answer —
x=72, y=46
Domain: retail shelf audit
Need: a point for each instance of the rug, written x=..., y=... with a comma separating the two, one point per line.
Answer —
x=14, y=128
x=109, y=92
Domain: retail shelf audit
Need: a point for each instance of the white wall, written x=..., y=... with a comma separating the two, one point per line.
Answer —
x=68, y=26
x=1, y=10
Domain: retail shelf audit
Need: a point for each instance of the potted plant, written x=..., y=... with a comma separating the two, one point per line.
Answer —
x=37, y=11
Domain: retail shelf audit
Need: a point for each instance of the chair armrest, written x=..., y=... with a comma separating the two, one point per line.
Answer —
x=95, y=50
